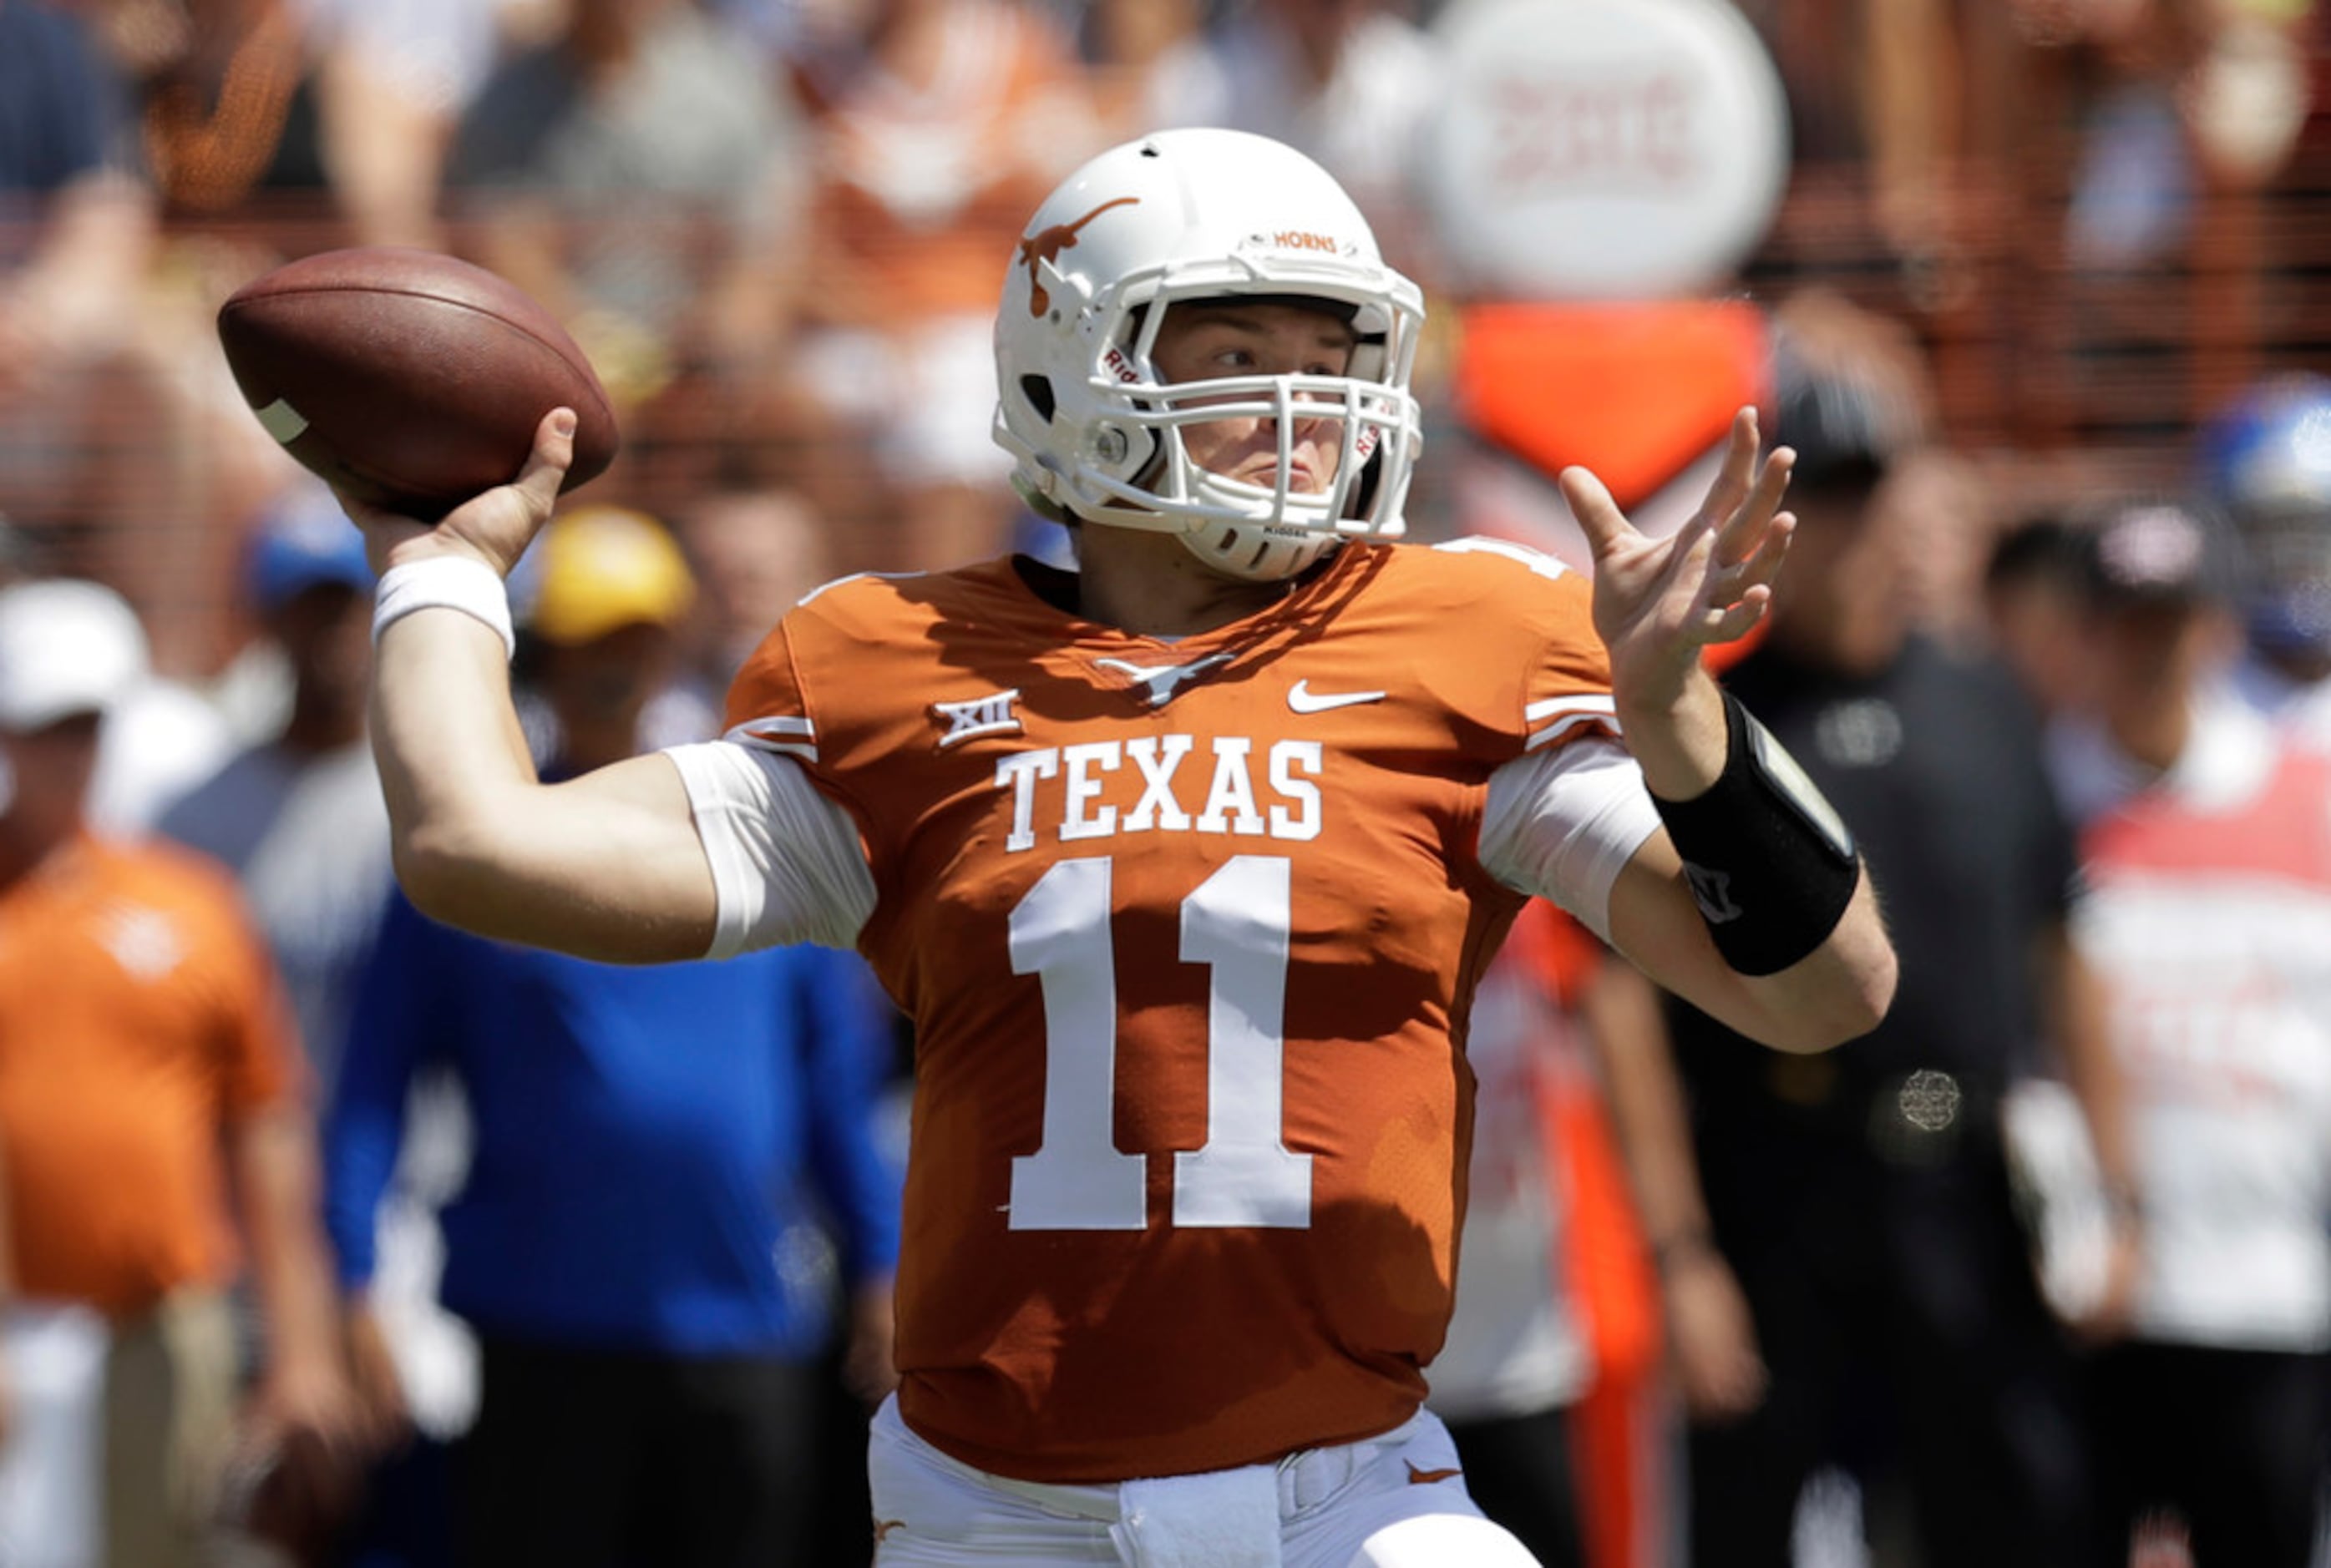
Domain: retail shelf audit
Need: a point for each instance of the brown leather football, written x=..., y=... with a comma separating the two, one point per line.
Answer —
x=409, y=379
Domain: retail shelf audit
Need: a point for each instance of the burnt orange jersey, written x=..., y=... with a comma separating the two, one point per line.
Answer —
x=1188, y=931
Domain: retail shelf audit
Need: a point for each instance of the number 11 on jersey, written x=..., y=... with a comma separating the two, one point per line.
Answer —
x=1236, y=924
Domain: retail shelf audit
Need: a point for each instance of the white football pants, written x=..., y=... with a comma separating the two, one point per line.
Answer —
x=1393, y=1501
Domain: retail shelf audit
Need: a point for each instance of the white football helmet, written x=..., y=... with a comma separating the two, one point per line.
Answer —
x=1095, y=430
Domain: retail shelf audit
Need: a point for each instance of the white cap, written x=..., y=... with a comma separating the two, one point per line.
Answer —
x=65, y=648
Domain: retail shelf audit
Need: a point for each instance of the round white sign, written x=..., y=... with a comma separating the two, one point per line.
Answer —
x=1600, y=149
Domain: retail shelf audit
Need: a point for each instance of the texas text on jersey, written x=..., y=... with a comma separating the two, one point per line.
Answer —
x=1190, y=929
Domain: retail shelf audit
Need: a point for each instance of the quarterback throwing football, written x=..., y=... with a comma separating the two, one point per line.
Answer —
x=1184, y=864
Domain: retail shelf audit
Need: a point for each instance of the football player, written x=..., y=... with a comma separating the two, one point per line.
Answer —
x=1184, y=864
x=2265, y=459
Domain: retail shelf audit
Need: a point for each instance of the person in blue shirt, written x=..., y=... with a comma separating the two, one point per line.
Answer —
x=673, y=1169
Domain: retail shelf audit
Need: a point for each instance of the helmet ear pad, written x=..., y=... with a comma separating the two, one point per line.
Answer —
x=1123, y=451
x=1130, y=452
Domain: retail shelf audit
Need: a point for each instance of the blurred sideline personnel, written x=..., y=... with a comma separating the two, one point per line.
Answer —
x=2207, y=862
x=638, y=1244
x=1847, y=1278
x=148, y=1069
x=1183, y=865
x=1553, y=1351
x=161, y=736
x=755, y=552
x=631, y=681
x=298, y=817
x=2034, y=592
x=2265, y=461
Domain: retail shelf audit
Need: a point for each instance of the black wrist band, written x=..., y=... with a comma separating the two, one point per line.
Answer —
x=1770, y=862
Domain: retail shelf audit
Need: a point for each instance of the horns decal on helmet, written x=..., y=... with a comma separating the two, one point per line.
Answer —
x=1046, y=245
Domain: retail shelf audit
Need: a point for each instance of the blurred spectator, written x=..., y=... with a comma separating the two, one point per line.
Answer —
x=1858, y=1204
x=1348, y=81
x=2265, y=459
x=1154, y=65
x=330, y=113
x=2166, y=98
x=298, y=817
x=756, y=553
x=74, y=223
x=2207, y=856
x=640, y=176
x=940, y=125
x=1948, y=529
x=76, y=236
x=2033, y=606
x=239, y=98
x=608, y=599
x=1881, y=86
x=641, y=1242
x=2174, y=100
x=216, y=79
x=386, y=85
x=165, y=735
x=148, y=1069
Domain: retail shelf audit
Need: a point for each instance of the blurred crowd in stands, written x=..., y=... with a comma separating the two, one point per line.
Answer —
x=775, y=225
x=2031, y=251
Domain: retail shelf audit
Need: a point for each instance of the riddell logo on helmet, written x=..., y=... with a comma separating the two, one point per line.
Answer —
x=1045, y=245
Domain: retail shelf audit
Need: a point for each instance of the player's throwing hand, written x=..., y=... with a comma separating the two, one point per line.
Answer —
x=1659, y=601
x=494, y=527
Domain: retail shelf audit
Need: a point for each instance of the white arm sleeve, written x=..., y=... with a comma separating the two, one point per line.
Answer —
x=786, y=861
x=1561, y=825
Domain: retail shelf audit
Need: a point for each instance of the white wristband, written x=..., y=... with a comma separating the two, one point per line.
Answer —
x=445, y=582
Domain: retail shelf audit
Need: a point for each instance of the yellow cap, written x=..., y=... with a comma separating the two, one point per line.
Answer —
x=606, y=568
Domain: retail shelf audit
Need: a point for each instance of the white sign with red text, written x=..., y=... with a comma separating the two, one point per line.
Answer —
x=1603, y=149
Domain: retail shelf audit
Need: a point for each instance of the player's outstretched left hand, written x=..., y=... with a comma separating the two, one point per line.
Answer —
x=494, y=527
x=1659, y=601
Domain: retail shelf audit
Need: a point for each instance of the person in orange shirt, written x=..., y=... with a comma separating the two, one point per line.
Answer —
x=1184, y=865
x=147, y=1072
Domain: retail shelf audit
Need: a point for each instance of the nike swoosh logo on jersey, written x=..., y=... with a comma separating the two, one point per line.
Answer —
x=1303, y=700
x=1417, y=1477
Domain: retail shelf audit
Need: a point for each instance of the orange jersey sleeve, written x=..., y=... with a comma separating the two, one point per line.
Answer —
x=1189, y=932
